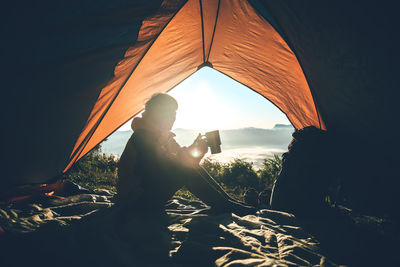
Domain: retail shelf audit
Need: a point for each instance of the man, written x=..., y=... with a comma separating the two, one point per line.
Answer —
x=153, y=166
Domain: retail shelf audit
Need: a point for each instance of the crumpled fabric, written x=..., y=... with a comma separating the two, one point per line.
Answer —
x=90, y=229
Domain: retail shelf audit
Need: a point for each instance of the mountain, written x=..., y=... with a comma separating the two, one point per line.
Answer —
x=245, y=137
x=115, y=143
x=280, y=126
x=278, y=137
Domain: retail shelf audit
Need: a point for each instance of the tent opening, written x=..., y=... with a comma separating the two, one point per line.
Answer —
x=251, y=126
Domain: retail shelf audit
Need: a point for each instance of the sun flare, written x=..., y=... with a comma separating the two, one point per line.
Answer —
x=199, y=109
x=210, y=101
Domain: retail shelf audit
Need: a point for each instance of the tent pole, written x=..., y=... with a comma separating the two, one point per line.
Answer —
x=202, y=30
x=215, y=26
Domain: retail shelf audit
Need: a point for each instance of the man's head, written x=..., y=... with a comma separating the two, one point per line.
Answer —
x=161, y=110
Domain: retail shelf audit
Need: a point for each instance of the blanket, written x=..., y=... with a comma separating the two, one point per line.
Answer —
x=87, y=229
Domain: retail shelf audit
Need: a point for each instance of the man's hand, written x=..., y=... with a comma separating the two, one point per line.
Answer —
x=192, y=155
x=199, y=148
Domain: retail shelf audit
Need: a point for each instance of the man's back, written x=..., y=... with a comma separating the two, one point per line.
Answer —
x=146, y=173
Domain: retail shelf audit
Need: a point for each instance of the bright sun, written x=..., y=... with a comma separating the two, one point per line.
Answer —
x=199, y=108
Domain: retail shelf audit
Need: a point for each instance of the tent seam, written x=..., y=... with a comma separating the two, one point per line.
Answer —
x=87, y=138
x=215, y=26
x=202, y=30
x=301, y=66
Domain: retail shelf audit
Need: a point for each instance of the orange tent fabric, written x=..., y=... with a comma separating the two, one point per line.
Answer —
x=228, y=35
x=68, y=66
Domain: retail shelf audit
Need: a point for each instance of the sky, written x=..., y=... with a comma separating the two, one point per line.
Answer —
x=209, y=100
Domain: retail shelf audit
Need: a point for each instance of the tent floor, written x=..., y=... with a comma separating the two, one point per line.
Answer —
x=86, y=229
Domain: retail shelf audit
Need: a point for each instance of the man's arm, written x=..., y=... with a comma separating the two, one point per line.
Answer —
x=153, y=160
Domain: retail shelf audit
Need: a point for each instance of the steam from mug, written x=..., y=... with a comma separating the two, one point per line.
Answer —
x=214, y=141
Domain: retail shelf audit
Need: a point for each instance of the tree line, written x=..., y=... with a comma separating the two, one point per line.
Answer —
x=98, y=170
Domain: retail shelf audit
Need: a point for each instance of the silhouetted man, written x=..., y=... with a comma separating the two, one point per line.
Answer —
x=154, y=166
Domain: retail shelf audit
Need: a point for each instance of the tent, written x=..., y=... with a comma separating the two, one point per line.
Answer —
x=78, y=70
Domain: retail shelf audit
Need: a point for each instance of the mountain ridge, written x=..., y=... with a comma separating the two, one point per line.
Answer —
x=277, y=137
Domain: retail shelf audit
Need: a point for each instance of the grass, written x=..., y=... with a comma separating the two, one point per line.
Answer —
x=100, y=171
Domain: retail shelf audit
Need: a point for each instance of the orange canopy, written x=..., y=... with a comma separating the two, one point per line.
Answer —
x=227, y=35
x=75, y=72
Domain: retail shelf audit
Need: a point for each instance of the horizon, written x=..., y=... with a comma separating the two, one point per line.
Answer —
x=251, y=144
x=242, y=128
